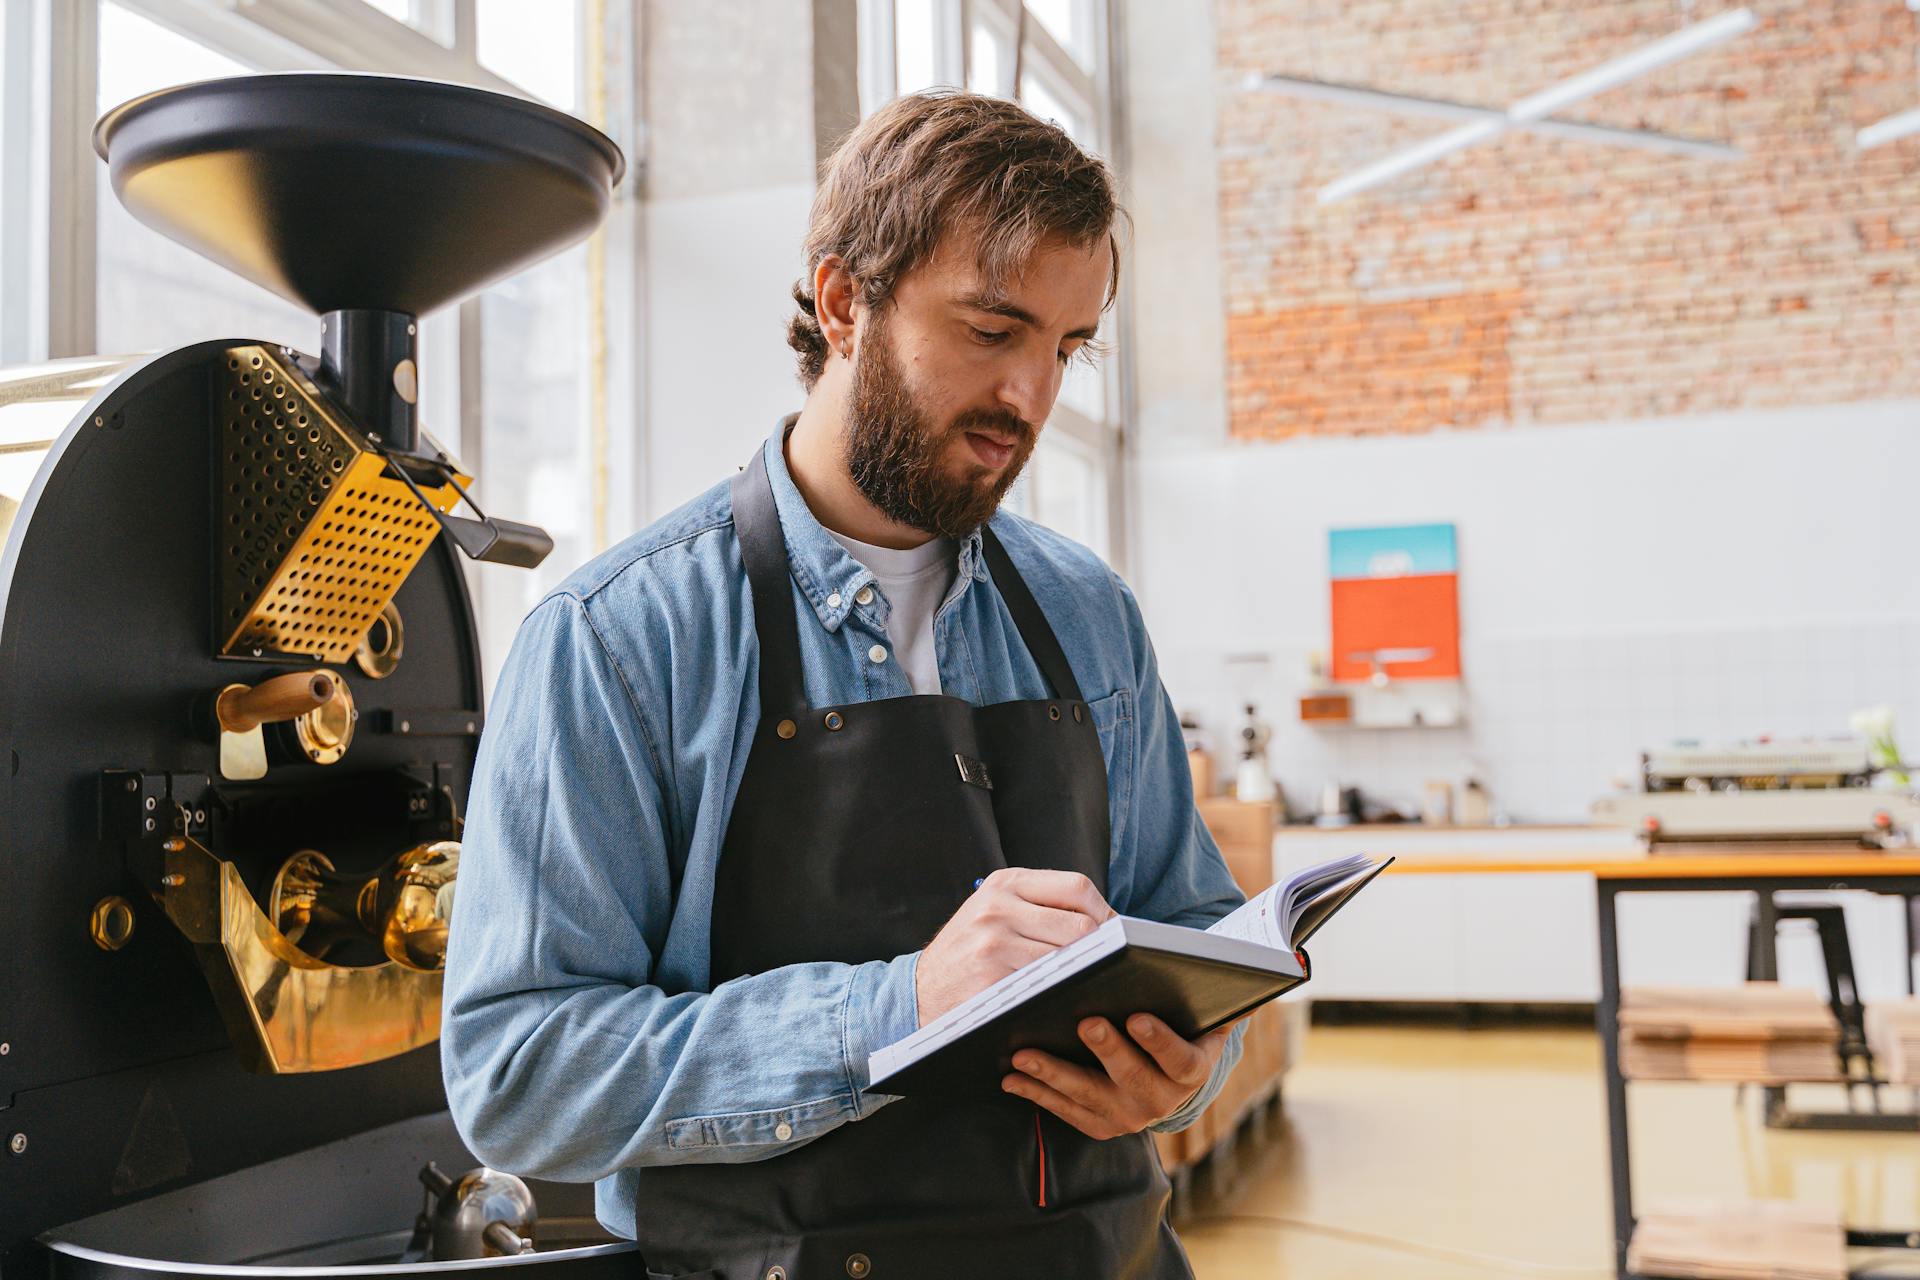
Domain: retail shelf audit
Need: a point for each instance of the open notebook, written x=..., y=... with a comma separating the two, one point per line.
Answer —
x=1192, y=979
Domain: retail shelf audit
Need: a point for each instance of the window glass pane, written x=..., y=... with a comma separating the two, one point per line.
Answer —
x=988, y=62
x=913, y=45
x=154, y=294
x=1040, y=98
x=534, y=463
x=430, y=17
x=1068, y=495
x=1067, y=22
x=1084, y=385
x=535, y=44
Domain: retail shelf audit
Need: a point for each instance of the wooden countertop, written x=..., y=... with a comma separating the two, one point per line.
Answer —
x=1734, y=863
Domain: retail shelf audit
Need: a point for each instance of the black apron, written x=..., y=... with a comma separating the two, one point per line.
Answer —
x=857, y=832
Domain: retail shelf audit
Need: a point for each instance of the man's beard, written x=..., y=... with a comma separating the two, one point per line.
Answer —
x=895, y=455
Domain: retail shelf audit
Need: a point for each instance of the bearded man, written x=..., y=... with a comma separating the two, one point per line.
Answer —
x=812, y=760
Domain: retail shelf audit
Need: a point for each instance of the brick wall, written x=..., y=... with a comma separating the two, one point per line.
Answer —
x=1535, y=280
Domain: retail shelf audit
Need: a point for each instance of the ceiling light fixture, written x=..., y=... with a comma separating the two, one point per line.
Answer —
x=1407, y=104
x=1896, y=126
x=1534, y=109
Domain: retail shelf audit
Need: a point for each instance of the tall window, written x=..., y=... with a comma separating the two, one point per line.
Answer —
x=516, y=382
x=1050, y=56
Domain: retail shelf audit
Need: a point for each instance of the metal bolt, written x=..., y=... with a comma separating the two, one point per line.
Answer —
x=410, y=330
x=133, y=784
x=173, y=879
x=99, y=420
x=17, y=1144
x=151, y=802
x=200, y=815
x=5, y=1048
x=150, y=824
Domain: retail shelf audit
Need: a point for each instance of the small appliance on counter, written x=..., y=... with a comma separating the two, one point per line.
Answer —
x=1803, y=791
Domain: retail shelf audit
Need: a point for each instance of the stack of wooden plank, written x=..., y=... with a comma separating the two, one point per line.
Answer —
x=1759, y=1032
x=1893, y=1033
x=1758, y=1240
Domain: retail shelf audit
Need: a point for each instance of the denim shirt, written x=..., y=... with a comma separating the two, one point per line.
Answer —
x=581, y=1037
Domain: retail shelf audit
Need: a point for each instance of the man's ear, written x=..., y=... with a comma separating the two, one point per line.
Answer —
x=834, y=296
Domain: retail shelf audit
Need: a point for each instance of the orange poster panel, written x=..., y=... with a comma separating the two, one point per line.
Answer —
x=1419, y=611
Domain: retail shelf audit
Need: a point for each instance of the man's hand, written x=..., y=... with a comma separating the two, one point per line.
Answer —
x=1017, y=915
x=1146, y=1078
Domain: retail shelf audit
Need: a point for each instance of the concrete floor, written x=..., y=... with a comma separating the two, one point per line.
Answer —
x=1426, y=1154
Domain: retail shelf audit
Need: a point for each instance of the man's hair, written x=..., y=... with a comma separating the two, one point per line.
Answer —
x=928, y=165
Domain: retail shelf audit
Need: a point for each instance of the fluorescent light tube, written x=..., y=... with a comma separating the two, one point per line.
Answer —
x=1537, y=106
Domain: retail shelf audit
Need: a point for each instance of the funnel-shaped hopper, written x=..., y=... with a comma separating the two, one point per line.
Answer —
x=357, y=192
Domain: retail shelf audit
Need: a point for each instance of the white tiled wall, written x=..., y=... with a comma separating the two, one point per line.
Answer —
x=1621, y=585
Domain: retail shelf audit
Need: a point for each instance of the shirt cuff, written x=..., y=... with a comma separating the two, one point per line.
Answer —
x=882, y=1007
x=1186, y=1115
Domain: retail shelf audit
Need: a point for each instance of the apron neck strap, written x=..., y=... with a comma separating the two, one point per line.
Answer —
x=756, y=522
x=1028, y=617
x=763, y=548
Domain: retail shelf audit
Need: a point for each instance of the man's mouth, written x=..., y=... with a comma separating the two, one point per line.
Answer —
x=994, y=451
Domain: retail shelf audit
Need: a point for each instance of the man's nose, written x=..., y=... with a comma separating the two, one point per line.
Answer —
x=1030, y=387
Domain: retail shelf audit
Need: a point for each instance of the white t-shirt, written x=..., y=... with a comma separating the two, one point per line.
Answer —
x=914, y=582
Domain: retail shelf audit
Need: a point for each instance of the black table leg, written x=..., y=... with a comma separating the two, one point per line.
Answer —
x=1607, y=1016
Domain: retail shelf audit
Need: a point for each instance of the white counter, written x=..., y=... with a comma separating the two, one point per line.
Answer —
x=1533, y=937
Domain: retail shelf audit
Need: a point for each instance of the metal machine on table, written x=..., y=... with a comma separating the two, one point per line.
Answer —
x=1805, y=792
x=240, y=699
x=1804, y=795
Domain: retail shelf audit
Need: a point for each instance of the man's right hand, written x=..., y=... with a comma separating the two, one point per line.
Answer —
x=1017, y=915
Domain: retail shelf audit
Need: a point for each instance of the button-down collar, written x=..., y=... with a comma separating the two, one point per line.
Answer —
x=829, y=577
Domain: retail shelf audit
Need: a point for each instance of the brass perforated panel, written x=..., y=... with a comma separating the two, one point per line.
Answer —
x=316, y=535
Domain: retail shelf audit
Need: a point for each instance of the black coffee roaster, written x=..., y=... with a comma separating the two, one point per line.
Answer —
x=240, y=697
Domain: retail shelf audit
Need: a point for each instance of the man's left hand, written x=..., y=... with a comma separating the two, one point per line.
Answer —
x=1149, y=1073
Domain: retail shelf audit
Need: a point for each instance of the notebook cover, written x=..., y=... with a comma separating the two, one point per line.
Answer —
x=1190, y=994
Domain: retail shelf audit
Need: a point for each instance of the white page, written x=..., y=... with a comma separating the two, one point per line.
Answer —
x=1269, y=916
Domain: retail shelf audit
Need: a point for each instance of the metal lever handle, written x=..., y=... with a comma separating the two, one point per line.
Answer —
x=241, y=708
x=495, y=541
x=506, y=1240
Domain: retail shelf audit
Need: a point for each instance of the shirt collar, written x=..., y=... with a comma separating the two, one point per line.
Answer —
x=829, y=577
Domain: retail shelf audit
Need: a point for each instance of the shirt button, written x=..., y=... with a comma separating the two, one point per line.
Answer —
x=863, y=596
x=833, y=601
x=878, y=653
x=783, y=1131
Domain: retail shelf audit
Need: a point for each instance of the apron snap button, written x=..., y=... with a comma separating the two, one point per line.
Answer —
x=776, y=1273
x=834, y=720
x=1053, y=713
x=858, y=1265
x=1079, y=713
x=786, y=728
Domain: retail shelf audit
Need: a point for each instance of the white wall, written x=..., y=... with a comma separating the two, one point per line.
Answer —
x=1621, y=584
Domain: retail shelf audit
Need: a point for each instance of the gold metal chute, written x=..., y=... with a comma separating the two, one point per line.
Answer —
x=318, y=533
x=285, y=1010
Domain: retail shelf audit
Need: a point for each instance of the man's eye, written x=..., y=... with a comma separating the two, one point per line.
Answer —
x=988, y=337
